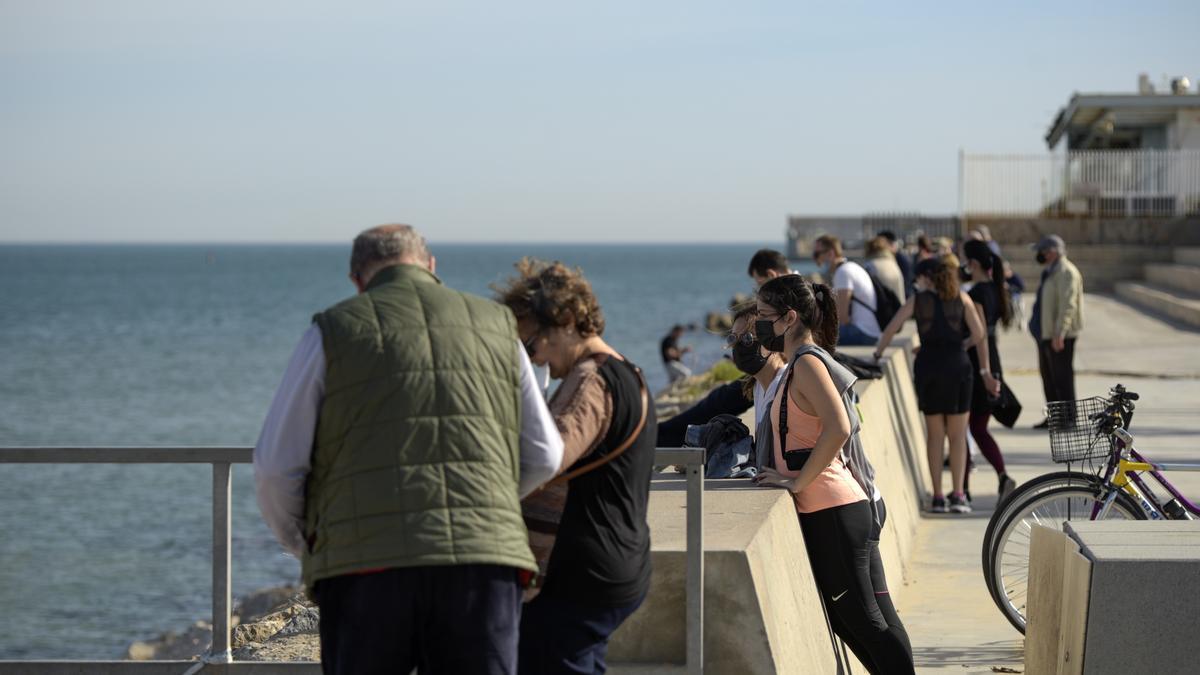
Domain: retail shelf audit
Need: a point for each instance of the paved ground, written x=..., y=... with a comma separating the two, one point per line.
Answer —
x=951, y=619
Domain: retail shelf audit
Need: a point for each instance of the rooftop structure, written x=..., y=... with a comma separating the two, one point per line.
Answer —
x=1147, y=120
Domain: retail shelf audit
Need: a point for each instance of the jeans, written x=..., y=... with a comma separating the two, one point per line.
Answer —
x=850, y=335
x=560, y=636
x=437, y=619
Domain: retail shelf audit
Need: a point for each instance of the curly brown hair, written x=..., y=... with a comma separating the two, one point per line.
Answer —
x=553, y=296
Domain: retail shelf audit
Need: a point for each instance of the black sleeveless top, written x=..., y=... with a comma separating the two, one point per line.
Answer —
x=602, y=554
x=941, y=323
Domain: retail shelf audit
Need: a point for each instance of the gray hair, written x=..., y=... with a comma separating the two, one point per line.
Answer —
x=386, y=244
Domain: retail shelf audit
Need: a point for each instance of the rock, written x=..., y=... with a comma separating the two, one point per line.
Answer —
x=297, y=647
x=140, y=651
x=267, y=601
x=306, y=621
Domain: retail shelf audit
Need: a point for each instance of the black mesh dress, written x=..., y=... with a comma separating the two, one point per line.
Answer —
x=942, y=370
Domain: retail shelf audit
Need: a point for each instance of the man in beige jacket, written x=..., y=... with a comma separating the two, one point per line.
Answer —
x=1057, y=319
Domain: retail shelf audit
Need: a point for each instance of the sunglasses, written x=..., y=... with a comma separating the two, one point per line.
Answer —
x=744, y=339
x=817, y=253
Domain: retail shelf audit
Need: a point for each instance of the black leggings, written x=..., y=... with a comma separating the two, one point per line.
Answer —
x=843, y=547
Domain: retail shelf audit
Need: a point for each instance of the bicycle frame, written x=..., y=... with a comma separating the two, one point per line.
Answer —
x=1124, y=476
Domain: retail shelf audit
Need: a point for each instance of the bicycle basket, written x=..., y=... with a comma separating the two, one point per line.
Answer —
x=1073, y=434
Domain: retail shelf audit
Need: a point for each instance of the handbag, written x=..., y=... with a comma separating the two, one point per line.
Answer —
x=1005, y=407
x=543, y=509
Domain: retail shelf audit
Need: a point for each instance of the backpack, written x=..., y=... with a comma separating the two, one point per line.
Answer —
x=886, y=302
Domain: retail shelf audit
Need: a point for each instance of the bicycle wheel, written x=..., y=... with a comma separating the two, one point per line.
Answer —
x=1010, y=557
x=1017, y=497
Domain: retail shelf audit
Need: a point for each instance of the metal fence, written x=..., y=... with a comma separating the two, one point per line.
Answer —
x=219, y=659
x=1110, y=183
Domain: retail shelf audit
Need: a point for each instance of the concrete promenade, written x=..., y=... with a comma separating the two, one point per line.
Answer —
x=953, y=624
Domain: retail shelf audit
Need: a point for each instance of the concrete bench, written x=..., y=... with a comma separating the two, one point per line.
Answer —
x=1113, y=597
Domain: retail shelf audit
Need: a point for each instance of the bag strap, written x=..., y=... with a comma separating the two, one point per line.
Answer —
x=637, y=431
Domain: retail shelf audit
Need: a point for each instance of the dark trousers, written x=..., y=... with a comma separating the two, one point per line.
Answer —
x=447, y=619
x=843, y=546
x=1058, y=370
x=558, y=636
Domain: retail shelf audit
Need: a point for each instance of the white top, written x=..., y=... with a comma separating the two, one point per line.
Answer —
x=283, y=454
x=850, y=275
x=763, y=397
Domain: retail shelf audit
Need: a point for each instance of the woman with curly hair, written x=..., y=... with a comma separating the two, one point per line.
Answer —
x=598, y=568
x=948, y=325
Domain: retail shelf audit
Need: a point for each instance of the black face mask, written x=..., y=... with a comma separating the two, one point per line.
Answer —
x=1041, y=258
x=771, y=342
x=747, y=355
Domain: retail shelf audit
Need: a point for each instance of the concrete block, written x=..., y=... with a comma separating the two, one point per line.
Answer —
x=1057, y=605
x=1143, y=595
x=1184, y=278
x=1184, y=308
x=1187, y=255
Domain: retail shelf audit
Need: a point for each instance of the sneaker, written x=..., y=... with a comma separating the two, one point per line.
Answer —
x=959, y=504
x=1007, y=485
x=939, y=505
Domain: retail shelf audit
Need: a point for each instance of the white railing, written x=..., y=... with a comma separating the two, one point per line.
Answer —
x=1114, y=183
x=219, y=657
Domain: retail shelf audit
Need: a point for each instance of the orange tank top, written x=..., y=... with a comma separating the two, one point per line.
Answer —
x=834, y=486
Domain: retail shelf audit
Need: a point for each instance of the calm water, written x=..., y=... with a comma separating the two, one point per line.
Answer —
x=184, y=345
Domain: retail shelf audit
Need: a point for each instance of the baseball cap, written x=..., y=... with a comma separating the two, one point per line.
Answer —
x=1049, y=241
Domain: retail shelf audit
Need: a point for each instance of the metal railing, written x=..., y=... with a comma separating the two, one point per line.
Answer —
x=219, y=658
x=1112, y=183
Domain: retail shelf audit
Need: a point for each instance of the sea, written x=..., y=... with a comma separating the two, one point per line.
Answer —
x=184, y=345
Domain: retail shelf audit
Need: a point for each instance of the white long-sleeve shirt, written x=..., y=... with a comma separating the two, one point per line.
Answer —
x=283, y=454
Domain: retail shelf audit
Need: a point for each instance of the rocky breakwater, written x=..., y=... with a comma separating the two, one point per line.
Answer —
x=276, y=624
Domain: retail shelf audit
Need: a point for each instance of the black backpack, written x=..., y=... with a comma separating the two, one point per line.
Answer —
x=886, y=302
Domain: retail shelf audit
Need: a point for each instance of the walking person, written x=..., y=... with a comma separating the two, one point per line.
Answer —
x=1056, y=320
x=392, y=462
x=854, y=291
x=811, y=430
x=991, y=300
x=598, y=572
x=948, y=326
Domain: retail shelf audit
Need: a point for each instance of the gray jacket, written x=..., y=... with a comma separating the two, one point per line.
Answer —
x=852, y=452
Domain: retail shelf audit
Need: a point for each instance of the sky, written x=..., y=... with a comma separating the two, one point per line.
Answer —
x=142, y=120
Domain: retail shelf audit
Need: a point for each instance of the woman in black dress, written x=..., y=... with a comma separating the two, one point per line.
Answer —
x=948, y=326
x=991, y=299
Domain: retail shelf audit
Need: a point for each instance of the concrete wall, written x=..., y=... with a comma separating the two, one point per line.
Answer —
x=1105, y=250
x=762, y=613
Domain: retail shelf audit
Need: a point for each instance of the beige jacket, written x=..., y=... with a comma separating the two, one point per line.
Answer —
x=1062, y=301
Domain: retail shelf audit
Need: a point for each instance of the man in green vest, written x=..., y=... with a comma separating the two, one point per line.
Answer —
x=406, y=430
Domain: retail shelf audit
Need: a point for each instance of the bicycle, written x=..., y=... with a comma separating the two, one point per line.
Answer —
x=1080, y=431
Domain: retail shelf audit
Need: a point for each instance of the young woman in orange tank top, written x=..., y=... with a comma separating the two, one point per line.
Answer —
x=834, y=513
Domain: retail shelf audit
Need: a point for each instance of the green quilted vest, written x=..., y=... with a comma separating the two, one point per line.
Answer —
x=415, y=460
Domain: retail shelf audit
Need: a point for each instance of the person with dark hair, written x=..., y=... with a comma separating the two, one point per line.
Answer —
x=925, y=250
x=813, y=450
x=598, y=569
x=672, y=355
x=392, y=462
x=1057, y=319
x=766, y=264
x=903, y=261
x=991, y=299
x=855, y=292
x=942, y=369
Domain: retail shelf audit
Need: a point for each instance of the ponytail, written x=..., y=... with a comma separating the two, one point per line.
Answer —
x=825, y=318
x=998, y=281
